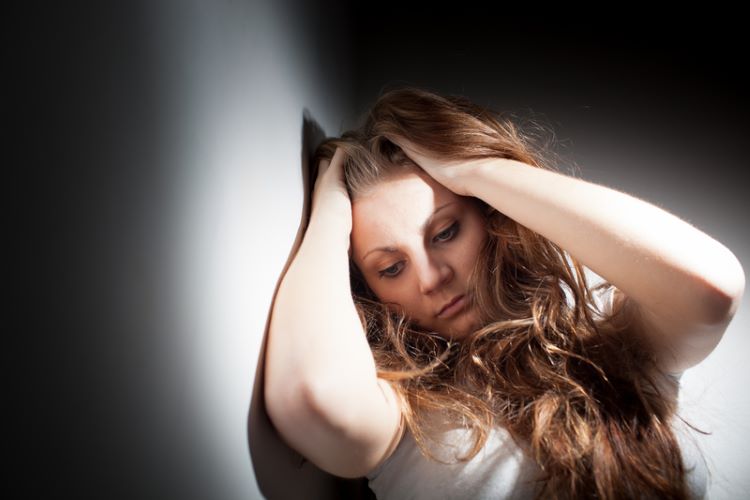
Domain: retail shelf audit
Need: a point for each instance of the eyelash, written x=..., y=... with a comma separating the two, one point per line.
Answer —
x=452, y=230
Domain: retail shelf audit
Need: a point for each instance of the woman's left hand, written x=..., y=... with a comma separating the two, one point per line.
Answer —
x=452, y=175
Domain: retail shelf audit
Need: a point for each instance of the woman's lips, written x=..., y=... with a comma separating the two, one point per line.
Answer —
x=453, y=308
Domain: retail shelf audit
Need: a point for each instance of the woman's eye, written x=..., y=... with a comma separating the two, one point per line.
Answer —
x=385, y=272
x=449, y=233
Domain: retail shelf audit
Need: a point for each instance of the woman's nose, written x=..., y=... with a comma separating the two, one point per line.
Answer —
x=433, y=274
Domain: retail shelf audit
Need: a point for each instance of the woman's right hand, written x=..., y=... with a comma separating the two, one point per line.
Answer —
x=329, y=193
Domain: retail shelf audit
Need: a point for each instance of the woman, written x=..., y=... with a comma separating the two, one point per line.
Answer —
x=462, y=353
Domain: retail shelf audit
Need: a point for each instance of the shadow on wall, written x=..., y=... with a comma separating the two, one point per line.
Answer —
x=281, y=471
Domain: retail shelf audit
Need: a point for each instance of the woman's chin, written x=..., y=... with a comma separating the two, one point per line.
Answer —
x=469, y=326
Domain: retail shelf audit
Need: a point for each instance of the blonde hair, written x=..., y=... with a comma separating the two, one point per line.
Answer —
x=579, y=396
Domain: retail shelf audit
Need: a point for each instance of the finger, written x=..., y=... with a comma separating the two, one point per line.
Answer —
x=322, y=167
x=406, y=146
x=411, y=151
x=338, y=158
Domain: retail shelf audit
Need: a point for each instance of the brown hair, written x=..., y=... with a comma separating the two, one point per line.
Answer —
x=581, y=397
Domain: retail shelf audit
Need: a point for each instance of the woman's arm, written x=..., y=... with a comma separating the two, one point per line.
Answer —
x=321, y=389
x=317, y=352
x=316, y=339
x=676, y=274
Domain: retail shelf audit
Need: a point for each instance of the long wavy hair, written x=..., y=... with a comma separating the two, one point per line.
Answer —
x=582, y=396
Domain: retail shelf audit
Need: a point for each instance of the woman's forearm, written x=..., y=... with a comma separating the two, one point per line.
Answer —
x=659, y=260
x=316, y=340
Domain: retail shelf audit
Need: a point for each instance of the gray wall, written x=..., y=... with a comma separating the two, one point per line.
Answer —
x=170, y=142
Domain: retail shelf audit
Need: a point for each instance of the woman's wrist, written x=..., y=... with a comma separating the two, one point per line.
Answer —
x=474, y=178
x=333, y=218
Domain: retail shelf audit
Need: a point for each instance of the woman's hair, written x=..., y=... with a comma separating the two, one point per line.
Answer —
x=579, y=396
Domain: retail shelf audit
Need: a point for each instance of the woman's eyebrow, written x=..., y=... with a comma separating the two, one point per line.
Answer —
x=421, y=229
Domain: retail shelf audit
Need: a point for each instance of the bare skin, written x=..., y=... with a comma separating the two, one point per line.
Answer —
x=425, y=271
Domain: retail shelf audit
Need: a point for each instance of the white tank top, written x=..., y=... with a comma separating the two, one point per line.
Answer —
x=500, y=470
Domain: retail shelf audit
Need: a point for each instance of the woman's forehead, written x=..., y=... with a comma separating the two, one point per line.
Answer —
x=406, y=195
x=398, y=211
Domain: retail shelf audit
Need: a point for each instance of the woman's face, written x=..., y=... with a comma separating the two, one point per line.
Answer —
x=419, y=272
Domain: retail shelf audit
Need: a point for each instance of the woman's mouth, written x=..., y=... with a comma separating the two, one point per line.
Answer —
x=453, y=307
